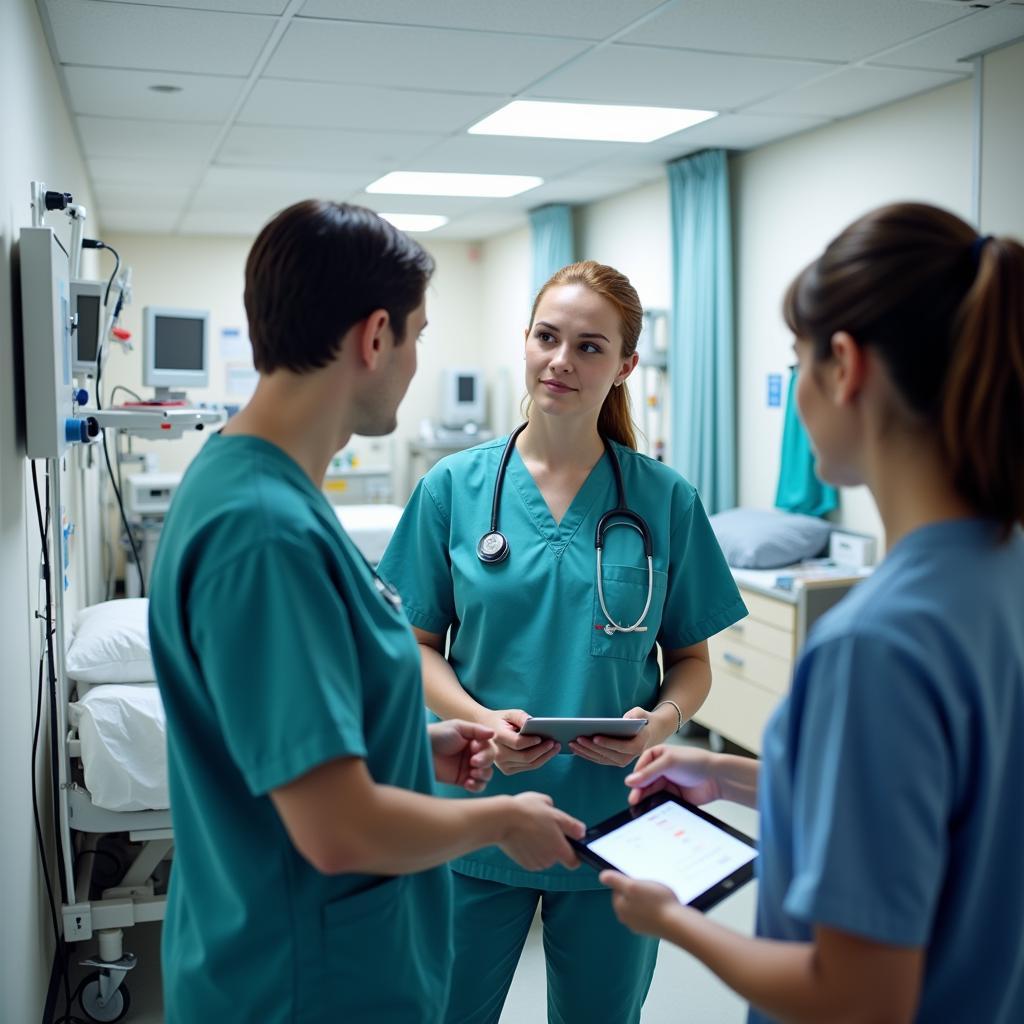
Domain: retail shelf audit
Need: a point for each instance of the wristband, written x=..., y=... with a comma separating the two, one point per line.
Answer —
x=679, y=713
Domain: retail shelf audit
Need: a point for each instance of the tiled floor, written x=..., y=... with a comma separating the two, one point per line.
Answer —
x=682, y=991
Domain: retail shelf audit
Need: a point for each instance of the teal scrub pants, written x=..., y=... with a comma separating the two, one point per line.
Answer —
x=598, y=971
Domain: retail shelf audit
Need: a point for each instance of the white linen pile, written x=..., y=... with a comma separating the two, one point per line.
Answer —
x=123, y=734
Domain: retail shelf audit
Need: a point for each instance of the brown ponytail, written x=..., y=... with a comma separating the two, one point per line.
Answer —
x=983, y=410
x=615, y=420
x=945, y=311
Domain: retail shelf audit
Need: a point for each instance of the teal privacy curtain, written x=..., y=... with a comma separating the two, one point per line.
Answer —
x=701, y=356
x=799, y=488
x=551, y=240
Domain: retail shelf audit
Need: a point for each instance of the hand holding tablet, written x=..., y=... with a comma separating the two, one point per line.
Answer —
x=565, y=730
x=667, y=840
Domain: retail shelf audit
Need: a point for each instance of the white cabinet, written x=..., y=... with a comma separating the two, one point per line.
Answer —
x=752, y=661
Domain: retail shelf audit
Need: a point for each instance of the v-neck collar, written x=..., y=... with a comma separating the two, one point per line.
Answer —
x=558, y=536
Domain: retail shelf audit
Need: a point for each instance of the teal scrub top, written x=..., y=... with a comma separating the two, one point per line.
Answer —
x=890, y=783
x=276, y=652
x=526, y=633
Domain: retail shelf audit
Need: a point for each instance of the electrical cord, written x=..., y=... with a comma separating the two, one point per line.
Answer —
x=46, y=651
x=95, y=243
x=124, y=517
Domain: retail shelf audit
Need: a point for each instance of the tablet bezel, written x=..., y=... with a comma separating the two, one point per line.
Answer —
x=707, y=899
x=564, y=730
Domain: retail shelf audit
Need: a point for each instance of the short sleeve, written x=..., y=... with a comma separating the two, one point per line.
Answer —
x=871, y=791
x=417, y=562
x=277, y=651
x=702, y=597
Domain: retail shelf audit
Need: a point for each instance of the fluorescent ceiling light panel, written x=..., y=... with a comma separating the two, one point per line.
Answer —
x=431, y=183
x=414, y=221
x=591, y=121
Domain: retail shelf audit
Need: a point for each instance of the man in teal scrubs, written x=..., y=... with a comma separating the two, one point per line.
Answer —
x=309, y=880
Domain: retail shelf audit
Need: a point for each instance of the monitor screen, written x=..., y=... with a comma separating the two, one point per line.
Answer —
x=87, y=333
x=178, y=343
x=466, y=388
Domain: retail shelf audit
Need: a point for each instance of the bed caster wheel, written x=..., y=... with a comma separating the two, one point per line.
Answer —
x=90, y=999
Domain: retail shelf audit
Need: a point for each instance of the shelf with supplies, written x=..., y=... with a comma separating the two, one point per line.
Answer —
x=752, y=661
x=358, y=485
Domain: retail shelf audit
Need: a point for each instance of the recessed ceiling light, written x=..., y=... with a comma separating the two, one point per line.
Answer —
x=165, y=88
x=592, y=121
x=431, y=183
x=414, y=221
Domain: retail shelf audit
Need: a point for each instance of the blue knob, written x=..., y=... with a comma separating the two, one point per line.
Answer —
x=81, y=397
x=75, y=431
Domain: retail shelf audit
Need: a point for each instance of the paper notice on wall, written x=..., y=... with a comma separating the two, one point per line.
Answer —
x=240, y=380
x=234, y=345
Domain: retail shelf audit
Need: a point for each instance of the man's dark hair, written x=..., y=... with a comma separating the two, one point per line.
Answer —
x=318, y=268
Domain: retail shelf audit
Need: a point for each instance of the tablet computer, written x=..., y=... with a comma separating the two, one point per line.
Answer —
x=564, y=730
x=665, y=839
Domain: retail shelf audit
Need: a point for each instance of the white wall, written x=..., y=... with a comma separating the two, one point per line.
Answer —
x=208, y=273
x=36, y=142
x=789, y=200
x=1002, y=150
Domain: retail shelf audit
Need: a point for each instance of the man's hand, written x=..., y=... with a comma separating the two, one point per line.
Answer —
x=463, y=752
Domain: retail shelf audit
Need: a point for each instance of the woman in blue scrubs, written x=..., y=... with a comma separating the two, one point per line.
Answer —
x=891, y=832
x=528, y=636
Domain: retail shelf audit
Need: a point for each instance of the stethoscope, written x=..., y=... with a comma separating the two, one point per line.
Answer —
x=493, y=546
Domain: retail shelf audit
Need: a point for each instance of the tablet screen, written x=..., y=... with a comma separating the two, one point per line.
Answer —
x=674, y=846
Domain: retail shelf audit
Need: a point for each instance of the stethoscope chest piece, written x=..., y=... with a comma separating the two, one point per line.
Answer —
x=492, y=548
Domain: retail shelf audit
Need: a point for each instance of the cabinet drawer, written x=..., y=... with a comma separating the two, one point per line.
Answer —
x=780, y=614
x=737, y=658
x=754, y=633
x=738, y=710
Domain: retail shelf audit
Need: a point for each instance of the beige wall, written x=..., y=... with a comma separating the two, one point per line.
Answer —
x=36, y=142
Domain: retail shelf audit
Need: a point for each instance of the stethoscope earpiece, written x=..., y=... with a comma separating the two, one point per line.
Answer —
x=492, y=548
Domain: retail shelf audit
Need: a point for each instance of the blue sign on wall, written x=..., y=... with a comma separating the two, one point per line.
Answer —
x=774, y=390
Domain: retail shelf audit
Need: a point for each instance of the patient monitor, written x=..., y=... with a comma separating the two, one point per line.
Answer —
x=462, y=398
x=175, y=350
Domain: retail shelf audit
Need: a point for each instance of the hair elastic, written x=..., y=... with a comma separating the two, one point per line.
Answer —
x=977, y=245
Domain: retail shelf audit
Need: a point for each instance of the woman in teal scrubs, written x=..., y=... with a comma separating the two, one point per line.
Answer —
x=890, y=882
x=527, y=636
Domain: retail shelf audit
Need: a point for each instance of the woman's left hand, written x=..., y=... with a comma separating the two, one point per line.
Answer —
x=643, y=907
x=463, y=752
x=618, y=752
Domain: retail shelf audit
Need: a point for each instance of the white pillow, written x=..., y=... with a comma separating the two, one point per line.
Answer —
x=111, y=643
x=754, y=538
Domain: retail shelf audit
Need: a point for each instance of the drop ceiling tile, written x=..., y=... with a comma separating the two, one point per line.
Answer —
x=838, y=30
x=668, y=78
x=136, y=221
x=735, y=131
x=113, y=170
x=852, y=91
x=319, y=148
x=363, y=108
x=116, y=137
x=115, y=35
x=495, y=154
x=262, y=193
x=445, y=206
x=540, y=17
x=115, y=93
x=416, y=58
x=140, y=195
x=231, y=6
x=477, y=226
x=950, y=47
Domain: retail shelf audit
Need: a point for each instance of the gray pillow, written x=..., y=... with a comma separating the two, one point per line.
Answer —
x=755, y=538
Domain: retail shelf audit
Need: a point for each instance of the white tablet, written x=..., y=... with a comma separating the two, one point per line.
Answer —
x=565, y=730
x=667, y=840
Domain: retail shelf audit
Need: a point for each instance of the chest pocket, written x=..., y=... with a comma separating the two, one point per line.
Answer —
x=625, y=593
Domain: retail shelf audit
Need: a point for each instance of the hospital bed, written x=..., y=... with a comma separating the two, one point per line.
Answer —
x=113, y=768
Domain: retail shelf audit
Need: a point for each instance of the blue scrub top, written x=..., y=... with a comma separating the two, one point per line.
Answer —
x=526, y=633
x=890, y=787
x=275, y=653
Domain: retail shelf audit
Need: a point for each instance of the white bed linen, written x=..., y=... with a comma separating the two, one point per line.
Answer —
x=370, y=527
x=123, y=737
